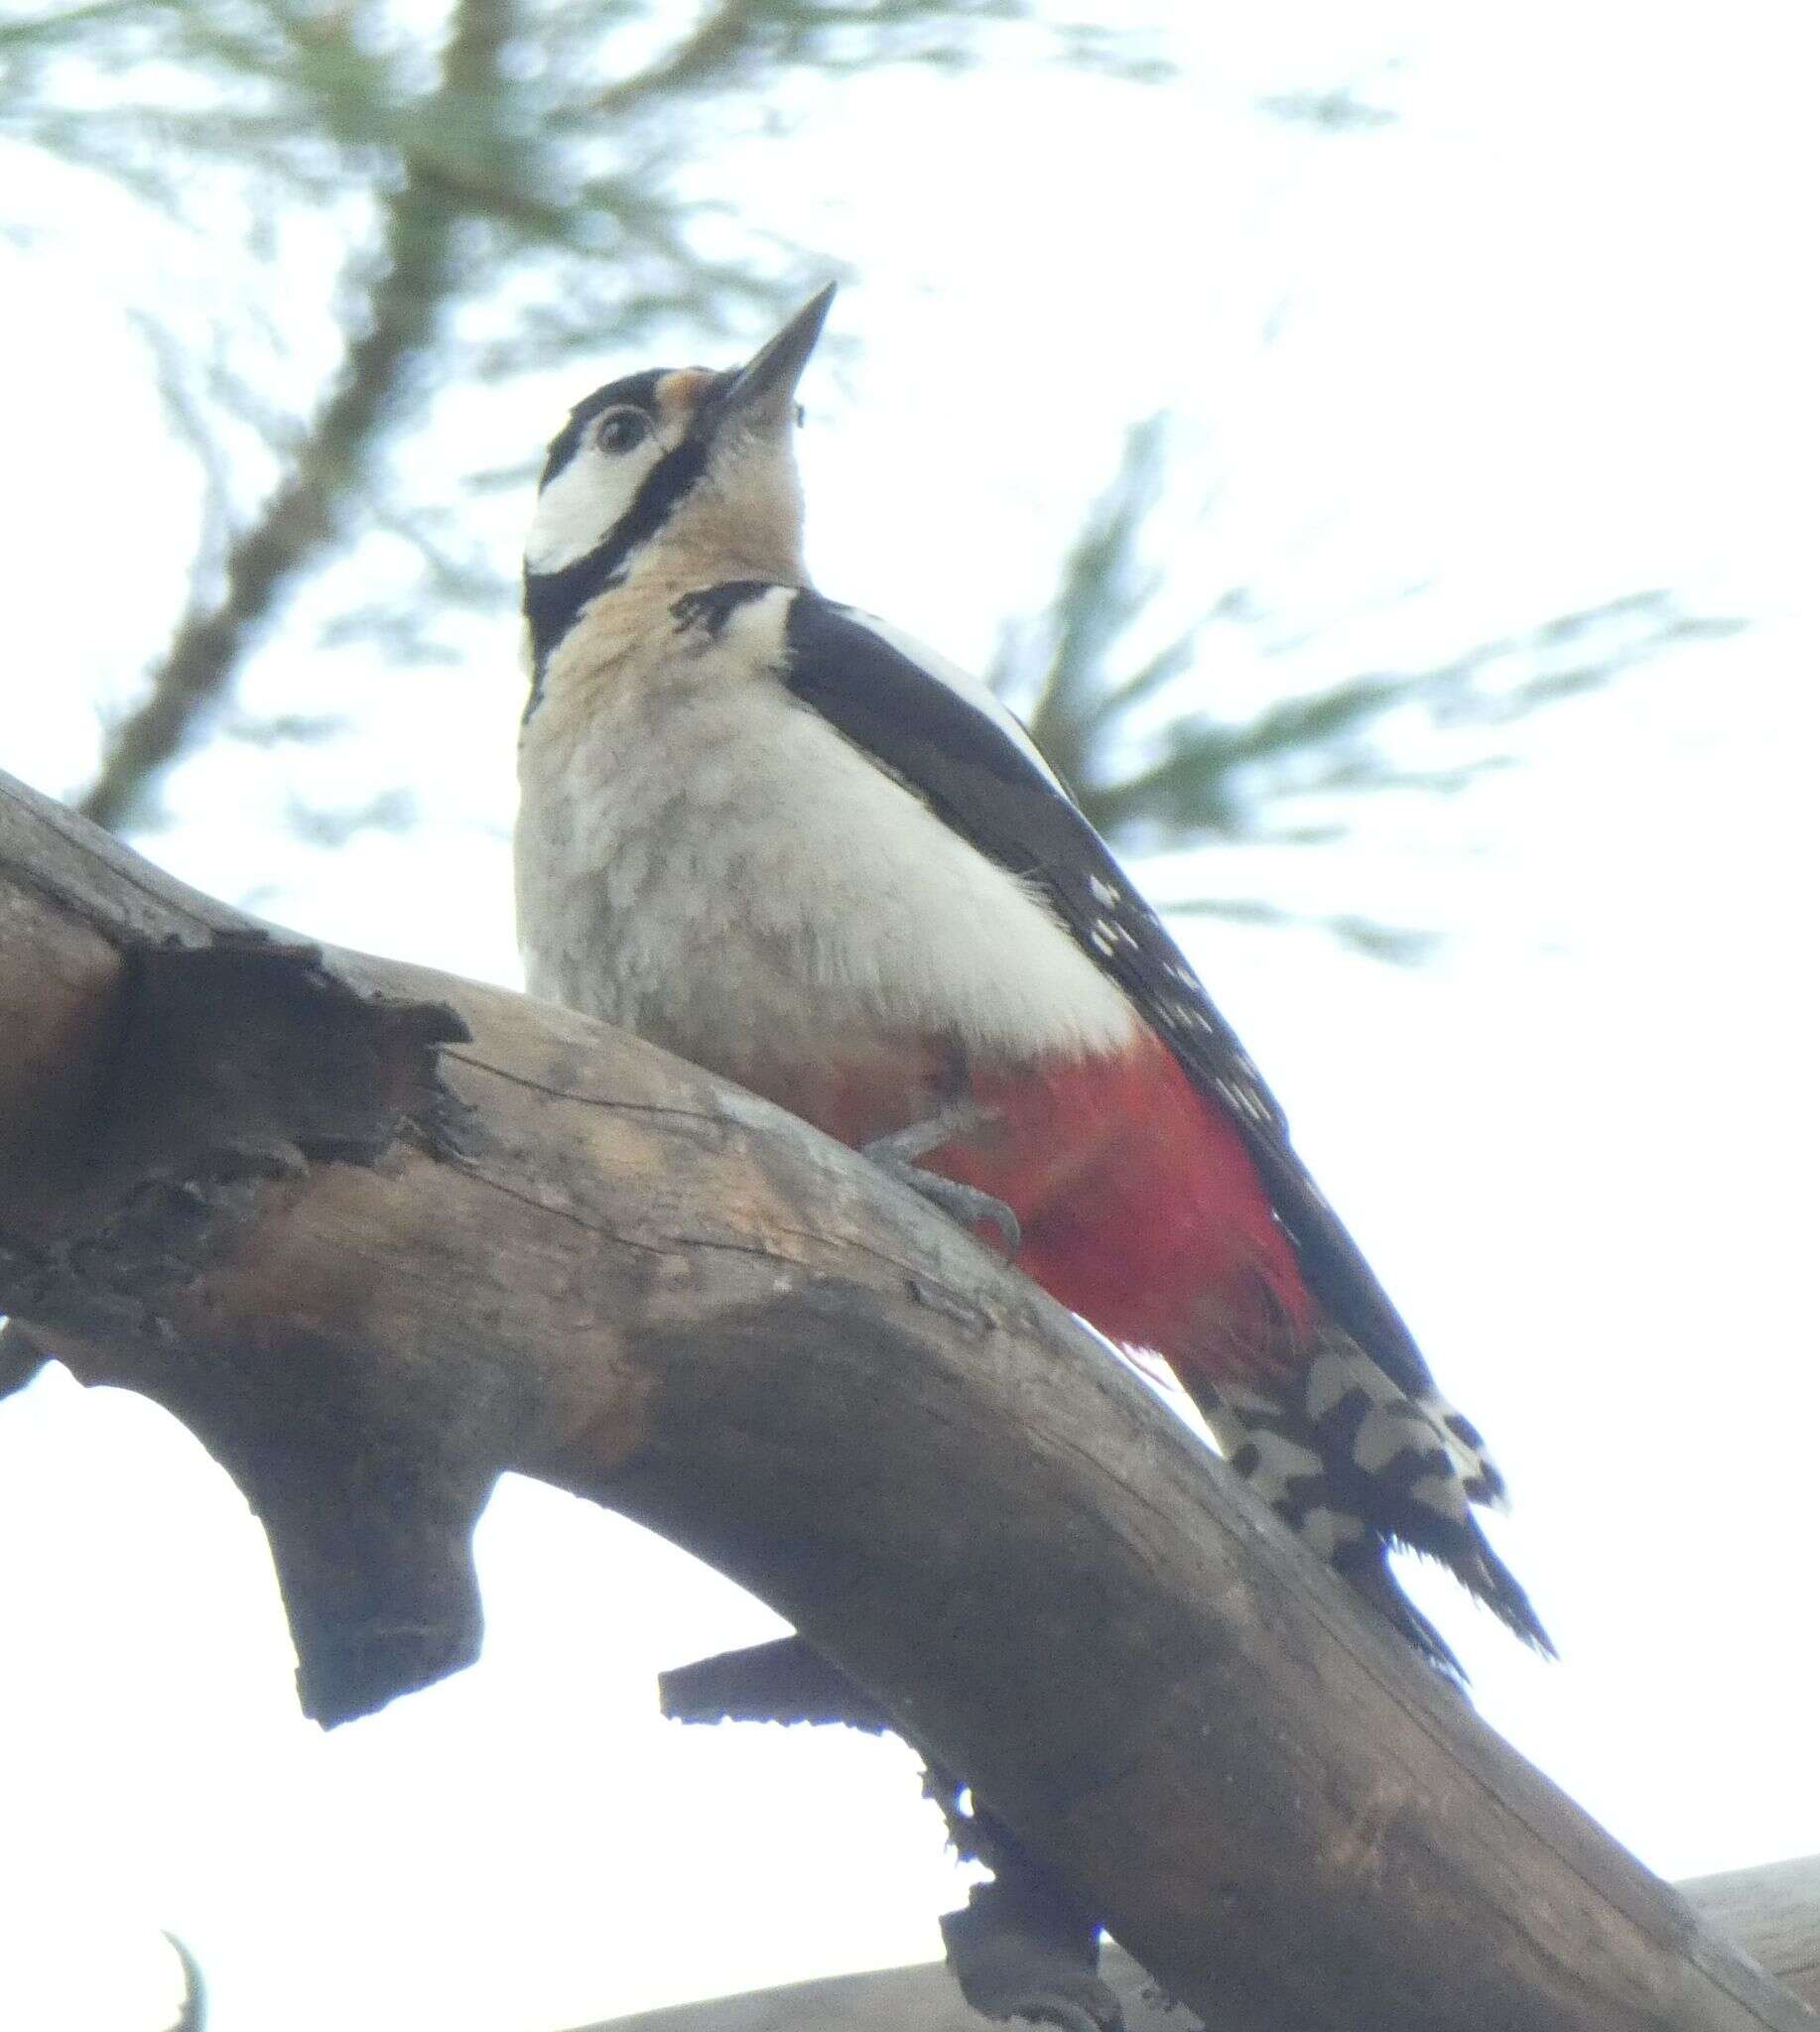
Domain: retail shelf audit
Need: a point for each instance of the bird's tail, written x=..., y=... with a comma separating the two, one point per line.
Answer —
x=1358, y=1467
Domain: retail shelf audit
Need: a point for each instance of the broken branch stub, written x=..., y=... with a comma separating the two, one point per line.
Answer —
x=226, y=1070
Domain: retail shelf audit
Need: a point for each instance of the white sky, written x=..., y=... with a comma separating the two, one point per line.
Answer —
x=1548, y=339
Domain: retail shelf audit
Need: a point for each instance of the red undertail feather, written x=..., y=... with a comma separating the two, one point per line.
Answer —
x=1141, y=1211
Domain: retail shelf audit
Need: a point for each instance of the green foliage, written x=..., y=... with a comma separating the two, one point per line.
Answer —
x=510, y=188
x=505, y=194
x=1298, y=771
x=554, y=130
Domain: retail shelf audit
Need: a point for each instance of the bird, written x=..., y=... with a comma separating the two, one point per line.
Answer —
x=780, y=837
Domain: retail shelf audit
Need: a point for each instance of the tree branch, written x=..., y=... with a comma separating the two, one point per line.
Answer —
x=373, y=1265
x=416, y=276
x=1772, y=1911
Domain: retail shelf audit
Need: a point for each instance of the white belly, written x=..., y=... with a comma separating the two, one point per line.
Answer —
x=707, y=862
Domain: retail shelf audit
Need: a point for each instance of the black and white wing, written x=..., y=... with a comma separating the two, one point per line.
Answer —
x=945, y=737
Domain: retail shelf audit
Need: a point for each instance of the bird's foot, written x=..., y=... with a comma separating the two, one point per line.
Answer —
x=897, y=1155
x=1018, y=1952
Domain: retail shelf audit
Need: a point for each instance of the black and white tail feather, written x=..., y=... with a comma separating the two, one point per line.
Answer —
x=1358, y=1468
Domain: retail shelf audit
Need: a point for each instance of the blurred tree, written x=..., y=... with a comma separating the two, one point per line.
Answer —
x=501, y=196
x=505, y=197
x=1100, y=705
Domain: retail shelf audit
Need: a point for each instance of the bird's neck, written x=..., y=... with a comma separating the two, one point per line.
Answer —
x=750, y=526
x=675, y=570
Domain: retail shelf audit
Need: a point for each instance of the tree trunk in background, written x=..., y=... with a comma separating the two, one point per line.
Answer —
x=1773, y=1912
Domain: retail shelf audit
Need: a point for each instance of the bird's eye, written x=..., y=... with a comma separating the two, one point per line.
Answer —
x=620, y=429
x=801, y=416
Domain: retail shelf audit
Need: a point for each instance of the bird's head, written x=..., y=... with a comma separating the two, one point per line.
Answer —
x=682, y=477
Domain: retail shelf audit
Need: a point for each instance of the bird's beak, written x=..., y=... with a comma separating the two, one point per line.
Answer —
x=763, y=391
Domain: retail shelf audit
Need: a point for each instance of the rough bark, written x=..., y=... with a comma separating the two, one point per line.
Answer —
x=374, y=1255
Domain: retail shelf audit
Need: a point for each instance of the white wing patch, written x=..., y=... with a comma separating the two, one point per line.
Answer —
x=965, y=686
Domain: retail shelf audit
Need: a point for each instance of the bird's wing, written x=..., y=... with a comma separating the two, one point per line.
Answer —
x=943, y=735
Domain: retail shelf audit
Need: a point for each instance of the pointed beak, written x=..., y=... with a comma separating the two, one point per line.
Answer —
x=763, y=391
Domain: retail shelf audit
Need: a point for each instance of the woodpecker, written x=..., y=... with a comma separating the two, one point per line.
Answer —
x=776, y=835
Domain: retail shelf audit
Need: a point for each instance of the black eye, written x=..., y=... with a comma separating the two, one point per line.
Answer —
x=620, y=429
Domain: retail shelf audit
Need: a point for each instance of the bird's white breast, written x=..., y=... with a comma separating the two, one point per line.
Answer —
x=705, y=861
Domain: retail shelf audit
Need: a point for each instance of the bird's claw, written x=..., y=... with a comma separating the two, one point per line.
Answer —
x=967, y=1205
x=897, y=1156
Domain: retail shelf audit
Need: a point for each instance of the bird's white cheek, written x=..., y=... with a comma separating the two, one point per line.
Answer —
x=577, y=508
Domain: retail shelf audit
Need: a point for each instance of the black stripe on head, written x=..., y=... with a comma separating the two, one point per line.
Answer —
x=552, y=599
x=640, y=390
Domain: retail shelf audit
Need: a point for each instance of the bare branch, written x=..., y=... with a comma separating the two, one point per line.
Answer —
x=417, y=275
x=378, y=1236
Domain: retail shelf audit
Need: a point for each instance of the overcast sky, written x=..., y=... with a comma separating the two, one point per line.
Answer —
x=1544, y=340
